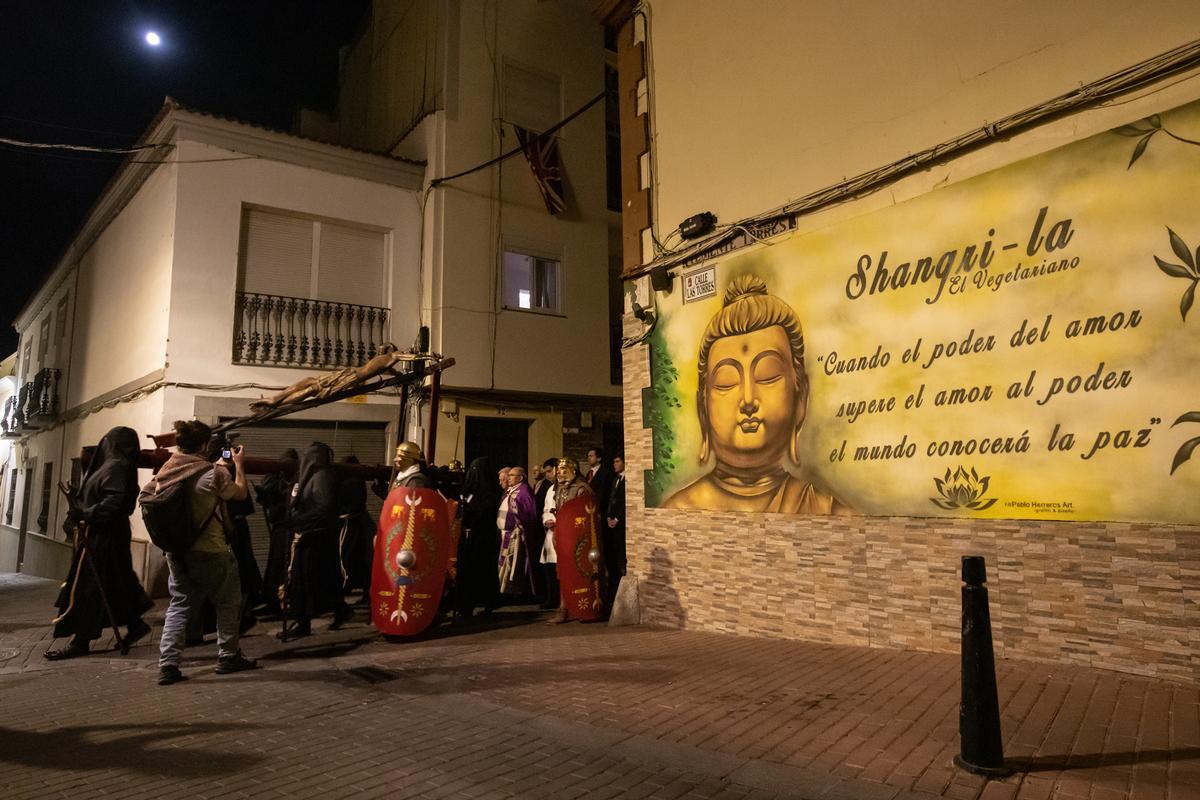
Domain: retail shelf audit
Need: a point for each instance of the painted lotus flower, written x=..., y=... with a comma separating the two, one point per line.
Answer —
x=962, y=489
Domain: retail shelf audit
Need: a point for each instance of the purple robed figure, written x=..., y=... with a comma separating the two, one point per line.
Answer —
x=520, y=526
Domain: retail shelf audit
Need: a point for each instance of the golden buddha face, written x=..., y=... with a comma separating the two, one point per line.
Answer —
x=752, y=402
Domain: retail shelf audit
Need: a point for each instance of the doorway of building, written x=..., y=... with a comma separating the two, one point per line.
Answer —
x=504, y=441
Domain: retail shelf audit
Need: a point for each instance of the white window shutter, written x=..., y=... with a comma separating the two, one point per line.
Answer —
x=350, y=265
x=278, y=254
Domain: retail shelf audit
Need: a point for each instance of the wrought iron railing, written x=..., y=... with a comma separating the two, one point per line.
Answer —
x=34, y=405
x=10, y=422
x=296, y=332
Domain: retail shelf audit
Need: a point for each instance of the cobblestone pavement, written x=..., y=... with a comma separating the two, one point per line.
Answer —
x=517, y=708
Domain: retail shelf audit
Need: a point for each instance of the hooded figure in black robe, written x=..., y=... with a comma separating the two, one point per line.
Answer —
x=356, y=535
x=274, y=493
x=478, y=582
x=103, y=505
x=314, y=574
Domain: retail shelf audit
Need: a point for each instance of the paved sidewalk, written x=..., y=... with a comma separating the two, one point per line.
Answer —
x=521, y=709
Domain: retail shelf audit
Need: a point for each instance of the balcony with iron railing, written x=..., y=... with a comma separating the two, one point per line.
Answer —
x=279, y=331
x=34, y=406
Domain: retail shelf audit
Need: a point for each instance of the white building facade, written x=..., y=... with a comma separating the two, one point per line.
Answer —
x=228, y=260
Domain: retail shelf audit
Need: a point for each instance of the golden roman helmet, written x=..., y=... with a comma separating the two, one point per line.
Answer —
x=568, y=468
x=410, y=450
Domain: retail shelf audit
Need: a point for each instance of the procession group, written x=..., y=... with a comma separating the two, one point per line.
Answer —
x=321, y=541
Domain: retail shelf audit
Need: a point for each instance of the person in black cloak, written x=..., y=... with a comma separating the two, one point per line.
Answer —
x=314, y=575
x=104, y=503
x=357, y=534
x=273, y=494
x=479, y=543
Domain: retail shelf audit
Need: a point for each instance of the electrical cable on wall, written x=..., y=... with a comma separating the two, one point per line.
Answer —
x=1146, y=72
x=517, y=150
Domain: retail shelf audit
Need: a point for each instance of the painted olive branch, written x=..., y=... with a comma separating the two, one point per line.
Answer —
x=1187, y=270
x=1185, y=450
x=1143, y=130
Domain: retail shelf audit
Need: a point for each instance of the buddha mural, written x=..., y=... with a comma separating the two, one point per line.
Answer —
x=751, y=401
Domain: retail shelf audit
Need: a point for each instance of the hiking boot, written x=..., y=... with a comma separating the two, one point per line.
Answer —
x=235, y=663
x=170, y=674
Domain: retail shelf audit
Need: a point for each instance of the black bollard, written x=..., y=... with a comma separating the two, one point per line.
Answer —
x=980, y=748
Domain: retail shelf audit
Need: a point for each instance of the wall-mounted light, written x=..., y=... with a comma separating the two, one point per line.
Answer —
x=661, y=280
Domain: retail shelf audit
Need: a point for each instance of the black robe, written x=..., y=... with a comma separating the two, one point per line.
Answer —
x=478, y=581
x=357, y=534
x=273, y=494
x=108, y=497
x=314, y=578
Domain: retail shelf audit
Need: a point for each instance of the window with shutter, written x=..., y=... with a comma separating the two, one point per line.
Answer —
x=311, y=291
x=277, y=254
x=350, y=265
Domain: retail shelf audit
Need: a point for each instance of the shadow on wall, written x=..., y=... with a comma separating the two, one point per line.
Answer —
x=660, y=589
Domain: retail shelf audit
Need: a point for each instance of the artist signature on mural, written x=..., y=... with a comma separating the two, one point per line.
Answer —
x=1042, y=507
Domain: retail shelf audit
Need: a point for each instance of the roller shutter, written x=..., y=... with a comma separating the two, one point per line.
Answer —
x=366, y=440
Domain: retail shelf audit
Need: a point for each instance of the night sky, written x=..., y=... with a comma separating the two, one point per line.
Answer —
x=81, y=73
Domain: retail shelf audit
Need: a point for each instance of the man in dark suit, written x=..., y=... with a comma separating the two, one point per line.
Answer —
x=599, y=476
x=614, y=540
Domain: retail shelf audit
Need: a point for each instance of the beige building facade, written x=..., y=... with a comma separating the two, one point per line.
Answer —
x=772, y=108
x=527, y=302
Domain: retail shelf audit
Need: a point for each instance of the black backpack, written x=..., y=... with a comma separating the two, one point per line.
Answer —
x=168, y=514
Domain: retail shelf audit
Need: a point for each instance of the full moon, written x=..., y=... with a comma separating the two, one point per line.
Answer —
x=153, y=39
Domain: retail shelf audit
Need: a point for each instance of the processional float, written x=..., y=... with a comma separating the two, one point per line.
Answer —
x=416, y=544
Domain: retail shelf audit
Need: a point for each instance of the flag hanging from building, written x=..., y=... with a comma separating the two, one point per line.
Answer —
x=542, y=154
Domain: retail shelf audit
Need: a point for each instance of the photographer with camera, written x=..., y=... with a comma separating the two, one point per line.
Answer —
x=204, y=566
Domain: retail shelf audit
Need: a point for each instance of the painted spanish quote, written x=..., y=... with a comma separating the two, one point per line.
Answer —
x=1018, y=344
x=751, y=401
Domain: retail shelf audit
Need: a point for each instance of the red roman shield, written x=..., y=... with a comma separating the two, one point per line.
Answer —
x=412, y=552
x=580, y=558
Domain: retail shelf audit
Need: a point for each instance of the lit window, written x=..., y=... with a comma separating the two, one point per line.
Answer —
x=531, y=283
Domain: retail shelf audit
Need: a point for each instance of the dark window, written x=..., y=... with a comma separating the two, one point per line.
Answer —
x=47, y=484
x=612, y=137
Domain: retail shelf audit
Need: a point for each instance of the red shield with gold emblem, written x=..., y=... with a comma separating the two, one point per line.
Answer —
x=580, y=558
x=412, y=552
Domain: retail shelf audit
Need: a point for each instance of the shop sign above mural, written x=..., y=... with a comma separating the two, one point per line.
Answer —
x=1018, y=345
